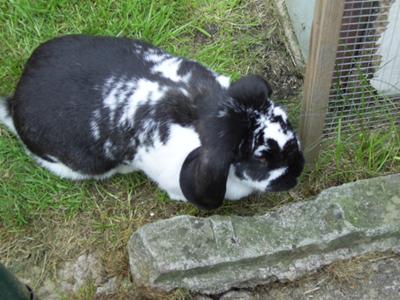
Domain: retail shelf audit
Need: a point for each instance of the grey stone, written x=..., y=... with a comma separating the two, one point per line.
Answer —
x=73, y=276
x=108, y=288
x=213, y=255
x=76, y=274
x=49, y=291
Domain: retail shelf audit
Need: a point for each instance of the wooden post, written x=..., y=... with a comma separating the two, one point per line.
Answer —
x=320, y=68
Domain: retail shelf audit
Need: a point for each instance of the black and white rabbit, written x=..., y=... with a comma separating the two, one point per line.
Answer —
x=89, y=107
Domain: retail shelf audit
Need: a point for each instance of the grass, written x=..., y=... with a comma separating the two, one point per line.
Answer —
x=356, y=155
x=45, y=221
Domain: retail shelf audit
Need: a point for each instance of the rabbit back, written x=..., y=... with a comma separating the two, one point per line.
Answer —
x=89, y=104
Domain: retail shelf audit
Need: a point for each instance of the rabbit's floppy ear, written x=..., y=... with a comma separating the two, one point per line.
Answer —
x=205, y=170
x=251, y=91
x=203, y=180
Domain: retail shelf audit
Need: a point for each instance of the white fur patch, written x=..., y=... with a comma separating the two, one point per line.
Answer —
x=260, y=149
x=184, y=92
x=5, y=117
x=169, y=68
x=126, y=168
x=224, y=81
x=94, y=125
x=277, y=111
x=138, y=49
x=261, y=121
x=111, y=100
x=274, y=131
x=115, y=93
x=149, y=124
x=59, y=169
x=146, y=91
x=163, y=162
x=235, y=187
x=262, y=185
x=154, y=57
x=186, y=79
x=108, y=147
x=222, y=114
x=66, y=172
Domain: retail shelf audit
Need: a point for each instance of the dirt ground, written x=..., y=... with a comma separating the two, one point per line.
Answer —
x=277, y=66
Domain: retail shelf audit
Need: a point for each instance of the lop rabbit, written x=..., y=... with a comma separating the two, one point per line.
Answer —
x=89, y=107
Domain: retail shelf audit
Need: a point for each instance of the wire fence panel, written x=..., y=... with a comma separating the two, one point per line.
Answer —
x=362, y=68
x=365, y=89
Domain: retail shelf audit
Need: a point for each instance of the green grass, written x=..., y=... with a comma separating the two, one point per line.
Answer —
x=45, y=220
x=175, y=25
x=359, y=154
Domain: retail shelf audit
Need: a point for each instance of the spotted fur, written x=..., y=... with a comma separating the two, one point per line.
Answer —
x=90, y=107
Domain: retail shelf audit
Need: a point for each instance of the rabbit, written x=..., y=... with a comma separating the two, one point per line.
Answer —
x=88, y=107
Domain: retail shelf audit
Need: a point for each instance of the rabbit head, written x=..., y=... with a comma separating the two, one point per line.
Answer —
x=247, y=134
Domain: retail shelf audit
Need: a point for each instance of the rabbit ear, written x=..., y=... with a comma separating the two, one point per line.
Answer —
x=203, y=180
x=205, y=170
x=251, y=91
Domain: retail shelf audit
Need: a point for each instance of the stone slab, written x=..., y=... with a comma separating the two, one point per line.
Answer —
x=212, y=255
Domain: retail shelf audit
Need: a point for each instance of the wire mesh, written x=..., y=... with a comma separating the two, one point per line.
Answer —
x=359, y=97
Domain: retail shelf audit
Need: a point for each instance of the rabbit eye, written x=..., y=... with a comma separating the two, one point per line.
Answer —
x=262, y=159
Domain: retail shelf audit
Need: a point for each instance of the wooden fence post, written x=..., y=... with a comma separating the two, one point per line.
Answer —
x=320, y=68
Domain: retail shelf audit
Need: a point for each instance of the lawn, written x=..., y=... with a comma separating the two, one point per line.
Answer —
x=45, y=221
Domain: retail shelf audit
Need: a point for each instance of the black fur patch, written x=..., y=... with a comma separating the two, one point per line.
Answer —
x=64, y=83
x=252, y=91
